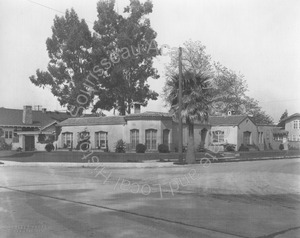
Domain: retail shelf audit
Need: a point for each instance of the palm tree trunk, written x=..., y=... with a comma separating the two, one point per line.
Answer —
x=190, y=155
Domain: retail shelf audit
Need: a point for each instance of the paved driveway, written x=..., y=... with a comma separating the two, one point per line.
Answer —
x=245, y=199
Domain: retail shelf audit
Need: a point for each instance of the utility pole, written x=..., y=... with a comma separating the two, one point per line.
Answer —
x=180, y=159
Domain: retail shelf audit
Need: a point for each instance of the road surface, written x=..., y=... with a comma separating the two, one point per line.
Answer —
x=244, y=199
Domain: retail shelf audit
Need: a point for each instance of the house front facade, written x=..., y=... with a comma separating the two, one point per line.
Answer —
x=148, y=128
x=28, y=129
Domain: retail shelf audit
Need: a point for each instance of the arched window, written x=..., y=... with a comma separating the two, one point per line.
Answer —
x=134, y=138
x=151, y=139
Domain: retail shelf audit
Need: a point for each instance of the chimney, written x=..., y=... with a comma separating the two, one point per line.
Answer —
x=137, y=107
x=44, y=110
x=27, y=115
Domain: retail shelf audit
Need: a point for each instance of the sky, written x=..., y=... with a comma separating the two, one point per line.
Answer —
x=257, y=38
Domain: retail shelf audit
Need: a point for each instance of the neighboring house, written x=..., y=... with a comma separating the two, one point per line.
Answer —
x=292, y=125
x=270, y=137
x=29, y=129
x=233, y=129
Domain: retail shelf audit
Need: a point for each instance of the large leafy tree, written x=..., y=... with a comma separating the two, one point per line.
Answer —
x=108, y=70
x=231, y=88
x=196, y=99
x=123, y=53
x=69, y=62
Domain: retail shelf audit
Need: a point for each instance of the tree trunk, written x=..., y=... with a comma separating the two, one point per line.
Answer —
x=190, y=155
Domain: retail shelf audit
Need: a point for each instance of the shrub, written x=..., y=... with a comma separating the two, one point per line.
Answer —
x=19, y=149
x=229, y=147
x=83, y=145
x=162, y=148
x=49, y=147
x=120, y=146
x=281, y=147
x=4, y=145
x=243, y=148
x=140, y=148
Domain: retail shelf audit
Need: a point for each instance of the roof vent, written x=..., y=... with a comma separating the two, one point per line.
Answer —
x=229, y=113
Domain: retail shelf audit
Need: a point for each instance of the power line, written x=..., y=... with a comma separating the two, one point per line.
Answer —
x=53, y=9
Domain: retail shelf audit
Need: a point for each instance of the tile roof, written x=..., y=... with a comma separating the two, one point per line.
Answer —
x=148, y=116
x=233, y=120
x=13, y=117
x=85, y=121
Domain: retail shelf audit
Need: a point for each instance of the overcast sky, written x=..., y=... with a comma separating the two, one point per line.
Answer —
x=258, y=38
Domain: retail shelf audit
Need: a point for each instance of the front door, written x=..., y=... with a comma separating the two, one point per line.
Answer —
x=29, y=143
x=247, y=138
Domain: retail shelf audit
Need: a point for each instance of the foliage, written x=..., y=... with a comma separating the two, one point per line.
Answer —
x=123, y=52
x=49, y=147
x=140, y=148
x=44, y=139
x=231, y=88
x=4, y=145
x=110, y=68
x=229, y=147
x=284, y=115
x=120, y=146
x=243, y=148
x=162, y=148
x=196, y=89
x=69, y=63
x=19, y=149
x=281, y=147
x=83, y=141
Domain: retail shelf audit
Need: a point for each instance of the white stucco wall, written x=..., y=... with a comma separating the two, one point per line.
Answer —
x=115, y=132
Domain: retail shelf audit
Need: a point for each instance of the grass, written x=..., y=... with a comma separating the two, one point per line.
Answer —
x=81, y=157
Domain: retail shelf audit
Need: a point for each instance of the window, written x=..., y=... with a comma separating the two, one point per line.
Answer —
x=151, y=139
x=134, y=138
x=67, y=139
x=10, y=134
x=296, y=124
x=218, y=136
x=6, y=134
x=101, y=140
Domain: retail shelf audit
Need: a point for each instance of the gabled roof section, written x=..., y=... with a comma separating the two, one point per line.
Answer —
x=149, y=116
x=289, y=117
x=13, y=117
x=87, y=121
x=233, y=120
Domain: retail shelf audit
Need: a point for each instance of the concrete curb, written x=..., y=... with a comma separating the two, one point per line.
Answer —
x=145, y=164
x=148, y=164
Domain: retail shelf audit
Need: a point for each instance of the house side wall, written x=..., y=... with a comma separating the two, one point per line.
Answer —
x=289, y=126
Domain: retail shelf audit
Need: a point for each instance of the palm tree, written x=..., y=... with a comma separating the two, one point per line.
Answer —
x=196, y=99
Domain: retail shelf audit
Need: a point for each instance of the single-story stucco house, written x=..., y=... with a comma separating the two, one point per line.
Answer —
x=29, y=129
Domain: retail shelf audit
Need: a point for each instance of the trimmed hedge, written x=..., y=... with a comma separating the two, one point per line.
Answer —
x=162, y=148
x=140, y=148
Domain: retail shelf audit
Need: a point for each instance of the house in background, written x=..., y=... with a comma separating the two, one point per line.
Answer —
x=29, y=129
x=291, y=124
x=233, y=129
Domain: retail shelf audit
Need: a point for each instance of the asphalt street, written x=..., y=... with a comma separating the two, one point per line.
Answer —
x=243, y=199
